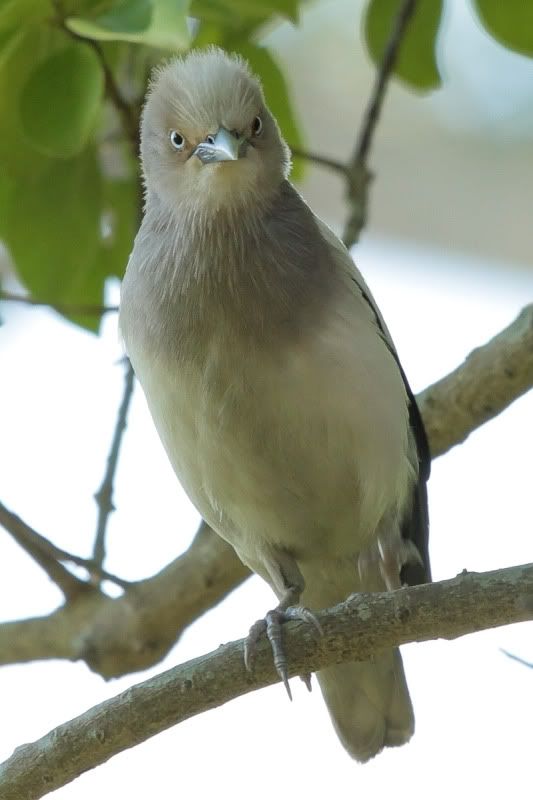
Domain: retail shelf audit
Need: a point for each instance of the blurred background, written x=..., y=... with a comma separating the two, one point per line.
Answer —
x=448, y=253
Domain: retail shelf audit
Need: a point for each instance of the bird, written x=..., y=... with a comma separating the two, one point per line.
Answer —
x=271, y=377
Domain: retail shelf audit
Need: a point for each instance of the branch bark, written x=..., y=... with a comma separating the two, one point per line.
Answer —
x=488, y=381
x=363, y=626
x=115, y=636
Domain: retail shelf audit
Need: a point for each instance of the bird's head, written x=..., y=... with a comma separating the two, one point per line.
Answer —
x=207, y=138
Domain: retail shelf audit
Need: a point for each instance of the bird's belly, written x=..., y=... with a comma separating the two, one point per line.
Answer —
x=277, y=454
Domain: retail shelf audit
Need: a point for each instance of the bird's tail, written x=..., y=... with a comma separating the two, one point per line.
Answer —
x=368, y=701
x=369, y=704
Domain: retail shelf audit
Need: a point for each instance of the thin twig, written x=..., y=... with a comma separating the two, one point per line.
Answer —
x=388, y=61
x=34, y=545
x=129, y=114
x=321, y=161
x=104, y=495
x=127, y=111
x=359, y=176
x=513, y=657
x=62, y=308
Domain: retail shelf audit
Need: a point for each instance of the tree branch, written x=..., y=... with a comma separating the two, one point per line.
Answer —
x=36, y=544
x=321, y=161
x=358, y=174
x=514, y=657
x=388, y=61
x=356, y=630
x=128, y=113
x=104, y=495
x=115, y=636
x=38, y=548
x=489, y=380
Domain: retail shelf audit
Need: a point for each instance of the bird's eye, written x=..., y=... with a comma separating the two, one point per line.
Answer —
x=257, y=126
x=177, y=140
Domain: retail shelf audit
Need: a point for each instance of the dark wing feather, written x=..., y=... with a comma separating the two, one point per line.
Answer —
x=415, y=526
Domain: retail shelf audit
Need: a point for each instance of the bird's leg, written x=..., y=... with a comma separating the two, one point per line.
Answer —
x=394, y=554
x=284, y=612
x=390, y=552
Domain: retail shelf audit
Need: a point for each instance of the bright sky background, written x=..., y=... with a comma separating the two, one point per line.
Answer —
x=473, y=705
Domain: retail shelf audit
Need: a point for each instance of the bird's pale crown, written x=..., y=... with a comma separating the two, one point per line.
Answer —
x=191, y=99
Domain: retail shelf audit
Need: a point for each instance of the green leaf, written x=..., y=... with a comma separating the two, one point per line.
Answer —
x=509, y=22
x=7, y=187
x=277, y=96
x=234, y=13
x=52, y=229
x=130, y=17
x=156, y=23
x=61, y=100
x=18, y=156
x=95, y=7
x=289, y=9
x=416, y=64
x=15, y=14
x=121, y=211
x=169, y=29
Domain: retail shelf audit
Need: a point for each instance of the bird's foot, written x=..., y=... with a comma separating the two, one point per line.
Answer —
x=271, y=624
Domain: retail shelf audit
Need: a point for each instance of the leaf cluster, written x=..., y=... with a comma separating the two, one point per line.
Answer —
x=72, y=77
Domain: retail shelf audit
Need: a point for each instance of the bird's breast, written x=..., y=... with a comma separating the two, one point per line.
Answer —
x=302, y=445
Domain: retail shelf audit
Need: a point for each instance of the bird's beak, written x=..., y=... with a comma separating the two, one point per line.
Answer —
x=224, y=146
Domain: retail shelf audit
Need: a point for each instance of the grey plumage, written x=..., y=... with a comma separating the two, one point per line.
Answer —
x=271, y=377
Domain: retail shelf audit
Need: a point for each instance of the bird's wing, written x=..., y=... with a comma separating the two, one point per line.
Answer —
x=415, y=526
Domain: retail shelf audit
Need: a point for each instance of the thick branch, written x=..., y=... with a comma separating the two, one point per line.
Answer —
x=362, y=627
x=488, y=381
x=115, y=636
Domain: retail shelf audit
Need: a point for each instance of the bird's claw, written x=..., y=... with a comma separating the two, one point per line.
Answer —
x=271, y=624
x=306, y=678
